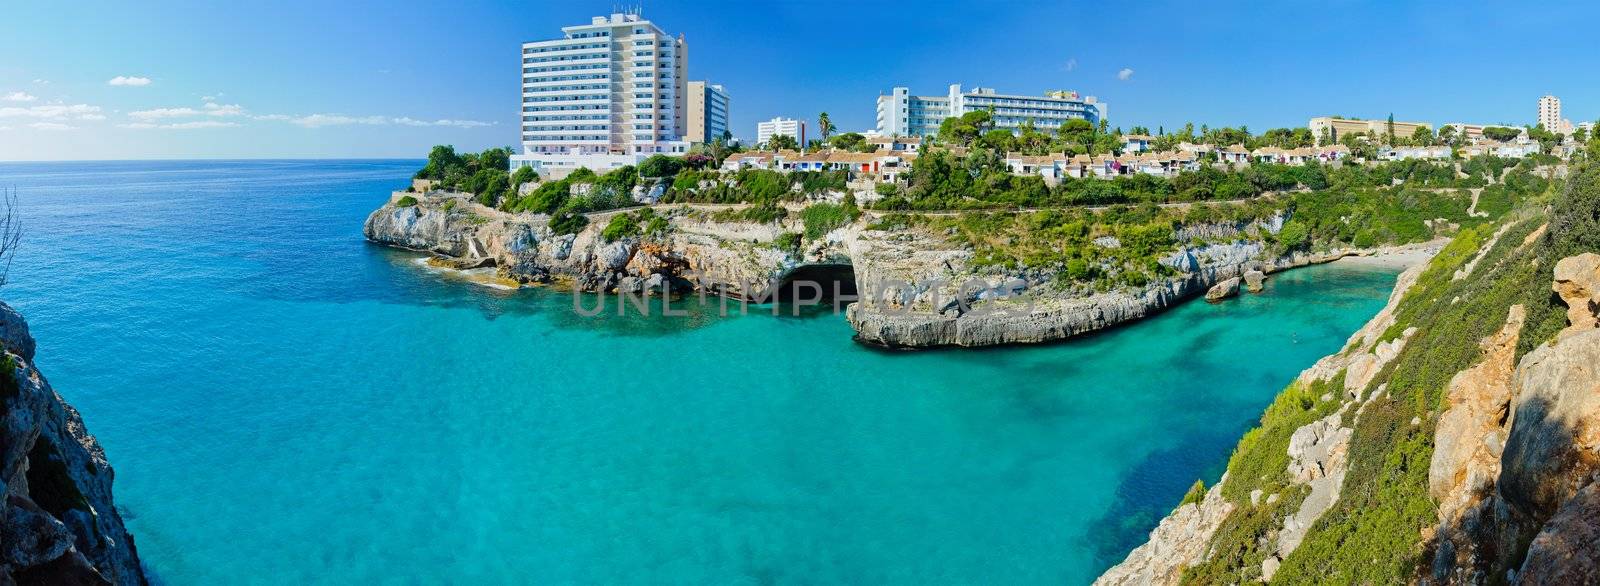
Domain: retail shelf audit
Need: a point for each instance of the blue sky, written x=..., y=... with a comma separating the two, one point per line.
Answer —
x=388, y=79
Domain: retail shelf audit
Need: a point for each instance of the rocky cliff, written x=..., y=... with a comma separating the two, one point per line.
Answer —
x=1454, y=440
x=59, y=523
x=917, y=288
x=731, y=257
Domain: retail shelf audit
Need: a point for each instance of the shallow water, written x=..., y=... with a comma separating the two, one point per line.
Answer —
x=286, y=403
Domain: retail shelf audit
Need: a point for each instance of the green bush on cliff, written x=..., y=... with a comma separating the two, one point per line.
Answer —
x=568, y=223
x=1261, y=459
x=1574, y=229
x=660, y=166
x=621, y=226
x=405, y=202
x=822, y=218
x=1197, y=493
x=524, y=175
x=1371, y=534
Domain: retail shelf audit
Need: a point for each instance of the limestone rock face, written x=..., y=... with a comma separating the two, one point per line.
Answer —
x=1178, y=542
x=1254, y=280
x=1471, y=433
x=737, y=257
x=58, y=521
x=1227, y=288
x=1567, y=550
x=1555, y=430
x=1577, y=281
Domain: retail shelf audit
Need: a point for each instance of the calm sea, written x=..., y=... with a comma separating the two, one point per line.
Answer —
x=287, y=403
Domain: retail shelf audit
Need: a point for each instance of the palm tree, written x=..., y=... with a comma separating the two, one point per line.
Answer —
x=825, y=126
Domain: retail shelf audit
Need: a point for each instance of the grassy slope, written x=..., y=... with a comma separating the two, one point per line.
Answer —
x=1374, y=533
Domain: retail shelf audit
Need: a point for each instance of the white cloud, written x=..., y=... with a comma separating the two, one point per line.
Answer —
x=54, y=112
x=42, y=81
x=207, y=109
x=192, y=125
x=1071, y=64
x=129, y=80
x=1125, y=75
x=320, y=120
x=215, y=109
x=202, y=124
x=444, y=122
x=50, y=126
x=19, y=97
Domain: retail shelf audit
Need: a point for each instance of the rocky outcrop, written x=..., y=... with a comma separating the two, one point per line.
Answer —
x=1022, y=307
x=916, y=288
x=738, y=259
x=1254, y=280
x=1227, y=288
x=1576, y=279
x=1471, y=433
x=1317, y=457
x=1517, y=452
x=58, y=522
x=1567, y=550
x=1178, y=542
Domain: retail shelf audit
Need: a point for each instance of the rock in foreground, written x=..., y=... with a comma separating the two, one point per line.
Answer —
x=59, y=524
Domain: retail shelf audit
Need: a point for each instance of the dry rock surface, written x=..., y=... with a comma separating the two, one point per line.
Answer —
x=58, y=522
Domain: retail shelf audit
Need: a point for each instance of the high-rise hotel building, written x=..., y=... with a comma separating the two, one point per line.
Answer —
x=606, y=94
x=902, y=114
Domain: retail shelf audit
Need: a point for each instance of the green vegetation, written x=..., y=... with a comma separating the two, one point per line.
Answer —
x=660, y=166
x=483, y=174
x=1261, y=460
x=524, y=175
x=638, y=223
x=787, y=241
x=822, y=218
x=1372, y=534
x=406, y=202
x=1574, y=229
x=568, y=223
x=1196, y=493
x=9, y=389
x=757, y=186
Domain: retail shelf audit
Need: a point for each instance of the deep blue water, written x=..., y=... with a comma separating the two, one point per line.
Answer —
x=286, y=403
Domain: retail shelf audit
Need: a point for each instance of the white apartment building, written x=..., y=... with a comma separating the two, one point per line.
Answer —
x=604, y=95
x=902, y=114
x=1550, y=115
x=780, y=125
x=708, y=107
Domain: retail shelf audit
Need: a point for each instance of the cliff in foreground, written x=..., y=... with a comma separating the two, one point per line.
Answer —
x=59, y=524
x=1453, y=441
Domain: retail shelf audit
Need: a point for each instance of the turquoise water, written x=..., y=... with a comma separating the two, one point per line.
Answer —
x=286, y=403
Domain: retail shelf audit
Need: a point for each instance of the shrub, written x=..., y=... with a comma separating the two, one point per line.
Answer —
x=660, y=166
x=568, y=223
x=822, y=218
x=524, y=175
x=1196, y=493
x=621, y=226
x=405, y=202
x=789, y=241
x=1293, y=235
